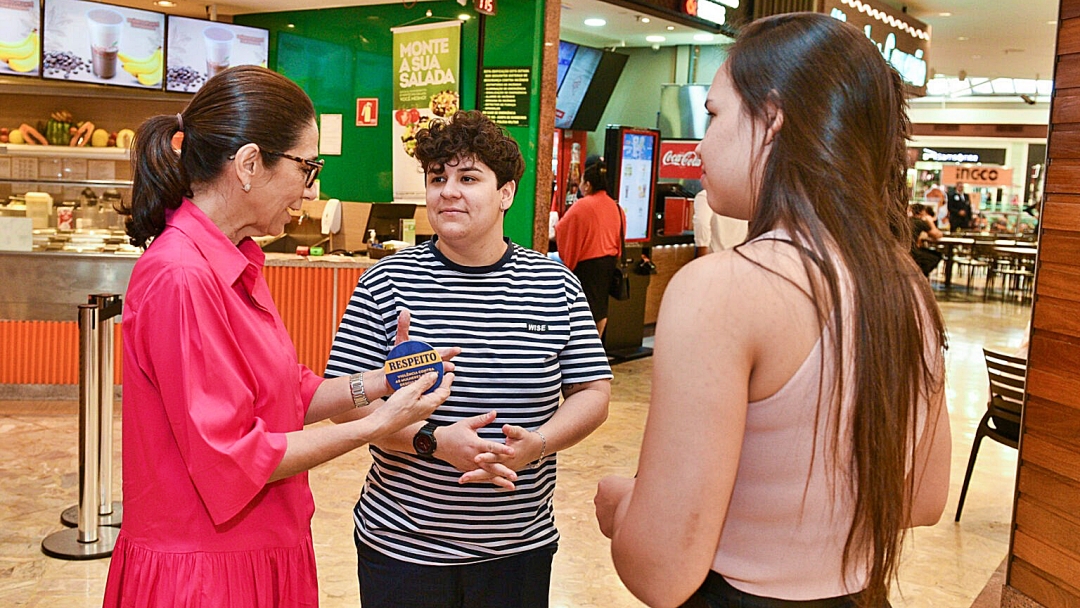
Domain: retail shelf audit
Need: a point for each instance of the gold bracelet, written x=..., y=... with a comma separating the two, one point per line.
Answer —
x=543, y=449
x=356, y=386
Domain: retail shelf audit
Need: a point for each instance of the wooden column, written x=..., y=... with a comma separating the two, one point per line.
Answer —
x=1044, y=558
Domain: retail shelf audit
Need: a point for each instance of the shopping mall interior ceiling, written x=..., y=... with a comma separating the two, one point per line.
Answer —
x=989, y=39
x=981, y=38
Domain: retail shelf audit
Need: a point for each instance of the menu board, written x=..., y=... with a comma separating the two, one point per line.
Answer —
x=635, y=182
x=200, y=49
x=580, y=65
x=20, y=41
x=104, y=44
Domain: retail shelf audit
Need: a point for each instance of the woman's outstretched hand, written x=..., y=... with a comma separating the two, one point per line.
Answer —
x=409, y=404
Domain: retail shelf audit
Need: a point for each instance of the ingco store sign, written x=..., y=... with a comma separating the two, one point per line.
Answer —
x=679, y=160
x=976, y=175
x=902, y=40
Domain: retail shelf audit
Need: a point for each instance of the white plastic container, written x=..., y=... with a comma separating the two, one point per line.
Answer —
x=39, y=207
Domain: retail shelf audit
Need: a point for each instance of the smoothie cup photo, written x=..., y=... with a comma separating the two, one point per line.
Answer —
x=104, y=27
x=219, y=42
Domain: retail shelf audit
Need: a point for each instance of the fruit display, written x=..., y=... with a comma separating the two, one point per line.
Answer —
x=31, y=136
x=124, y=137
x=100, y=138
x=22, y=56
x=61, y=129
x=58, y=128
x=147, y=70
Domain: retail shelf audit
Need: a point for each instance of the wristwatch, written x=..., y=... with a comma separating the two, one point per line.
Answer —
x=424, y=440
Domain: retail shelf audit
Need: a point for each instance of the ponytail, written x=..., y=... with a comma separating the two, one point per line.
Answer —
x=596, y=175
x=159, y=180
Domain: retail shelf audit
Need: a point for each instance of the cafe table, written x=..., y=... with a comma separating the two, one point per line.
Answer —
x=948, y=243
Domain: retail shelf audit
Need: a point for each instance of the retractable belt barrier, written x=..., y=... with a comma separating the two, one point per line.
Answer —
x=96, y=519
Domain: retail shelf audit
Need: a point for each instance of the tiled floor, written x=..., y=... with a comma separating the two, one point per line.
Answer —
x=943, y=567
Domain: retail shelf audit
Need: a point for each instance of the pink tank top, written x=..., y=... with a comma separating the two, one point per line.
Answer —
x=790, y=511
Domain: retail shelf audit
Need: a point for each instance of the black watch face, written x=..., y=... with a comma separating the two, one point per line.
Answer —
x=424, y=444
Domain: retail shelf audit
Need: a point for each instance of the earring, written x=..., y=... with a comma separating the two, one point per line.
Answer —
x=246, y=188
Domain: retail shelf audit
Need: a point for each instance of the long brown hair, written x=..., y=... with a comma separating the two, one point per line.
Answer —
x=835, y=181
x=245, y=104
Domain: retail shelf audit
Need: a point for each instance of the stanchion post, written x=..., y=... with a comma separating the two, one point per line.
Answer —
x=109, y=306
x=89, y=421
x=89, y=540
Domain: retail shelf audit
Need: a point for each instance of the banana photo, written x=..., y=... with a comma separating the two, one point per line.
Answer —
x=20, y=38
x=105, y=44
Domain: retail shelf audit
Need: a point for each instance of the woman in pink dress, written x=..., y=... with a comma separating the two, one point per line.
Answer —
x=217, y=508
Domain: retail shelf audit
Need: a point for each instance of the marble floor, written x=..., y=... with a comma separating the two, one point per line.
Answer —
x=943, y=566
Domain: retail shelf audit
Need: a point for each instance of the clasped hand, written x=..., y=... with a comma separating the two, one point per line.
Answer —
x=484, y=461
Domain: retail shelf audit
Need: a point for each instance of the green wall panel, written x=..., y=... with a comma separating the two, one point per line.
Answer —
x=339, y=55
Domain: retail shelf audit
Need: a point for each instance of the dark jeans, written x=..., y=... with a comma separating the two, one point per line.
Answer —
x=716, y=592
x=521, y=581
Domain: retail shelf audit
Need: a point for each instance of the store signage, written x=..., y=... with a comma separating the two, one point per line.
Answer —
x=486, y=7
x=991, y=156
x=976, y=175
x=367, y=112
x=504, y=95
x=710, y=10
x=679, y=160
x=426, y=72
x=902, y=40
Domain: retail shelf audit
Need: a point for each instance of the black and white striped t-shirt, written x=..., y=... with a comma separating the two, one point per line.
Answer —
x=525, y=330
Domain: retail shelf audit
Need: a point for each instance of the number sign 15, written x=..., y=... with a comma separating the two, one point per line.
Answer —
x=484, y=6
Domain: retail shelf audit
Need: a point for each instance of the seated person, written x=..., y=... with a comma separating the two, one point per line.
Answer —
x=924, y=232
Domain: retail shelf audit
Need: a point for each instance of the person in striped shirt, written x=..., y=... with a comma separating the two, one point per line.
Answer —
x=457, y=511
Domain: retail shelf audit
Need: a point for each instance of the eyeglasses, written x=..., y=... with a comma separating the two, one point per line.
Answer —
x=313, y=166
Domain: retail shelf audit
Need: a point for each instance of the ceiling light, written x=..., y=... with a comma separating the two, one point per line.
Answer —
x=1052, y=22
x=946, y=14
x=291, y=25
x=704, y=37
x=646, y=20
x=464, y=17
x=655, y=38
x=595, y=22
x=962, y=38
x=165, y=3
x=671, y=28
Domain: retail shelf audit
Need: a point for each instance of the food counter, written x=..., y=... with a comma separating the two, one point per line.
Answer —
x=42, y=291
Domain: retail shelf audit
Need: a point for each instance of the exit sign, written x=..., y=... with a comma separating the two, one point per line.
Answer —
x=486, y=7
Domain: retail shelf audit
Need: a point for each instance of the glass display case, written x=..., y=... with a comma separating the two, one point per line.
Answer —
x=71, y=193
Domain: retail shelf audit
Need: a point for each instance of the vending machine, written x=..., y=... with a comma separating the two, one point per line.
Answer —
x=632, y=156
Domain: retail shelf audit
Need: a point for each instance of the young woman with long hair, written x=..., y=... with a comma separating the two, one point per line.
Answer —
x=798, y=424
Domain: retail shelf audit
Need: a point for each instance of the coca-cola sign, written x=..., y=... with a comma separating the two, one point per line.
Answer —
x=679, y=160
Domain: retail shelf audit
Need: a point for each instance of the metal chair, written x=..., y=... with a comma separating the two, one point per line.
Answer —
x=977, y=258
x=1004, y=409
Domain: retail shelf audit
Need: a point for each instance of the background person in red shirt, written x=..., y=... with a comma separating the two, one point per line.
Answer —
x=589, y=242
